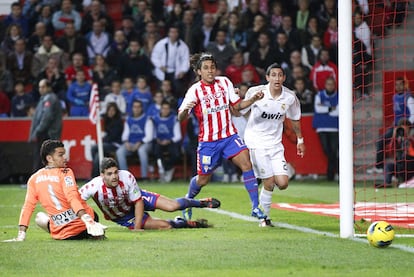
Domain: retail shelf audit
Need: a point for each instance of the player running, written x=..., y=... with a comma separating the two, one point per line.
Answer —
x=122, y=201
x=211, y=99
x=263, y=133
x=54, y=186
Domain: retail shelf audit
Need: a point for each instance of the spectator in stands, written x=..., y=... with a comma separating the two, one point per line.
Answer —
x=168, y=94
x=46, y=121
x=295, y=60
x=96, y=13
x=35, y=39
x=330, y=39
x=102, y=75
x=155, y=106
x=98, y=41
x=327, y=10
x=293, y=36
x=55, y=77
x=221, y=50
x=221, y=17
x=115, y=96
x=48, y=50
x=77, y=64
x=204, y=34
x=78, y=95
x=248, y=15
x=263, y=55
x=167, y=140
x=150, y=37
x=325, y=121
x=401, y=167
x=236, y=35
x=310, y=52
x=6, y=78
x=112, y=128
x=403, y=108
x=16, y=17
x=66, y=14
x=323, y=69
x=282, y=49
x=141, y=21
x=127, y=26
x=128, y=87
x=4, y=105
x=19, y=62
x=304, y=94
x=197, y=10
x=72, y=42
x=116, y=50
x=362, y=31
x=235, y=69
x=134, y=62
x=302, y=15
x=312, y=28
x=142, y=93
x=13, y=33
x=20, y=101
x=137, y=138
x=252, y=34
x=175, y=15
x=362, y=67
x=187, y=29
x=171, y=60
x=44, y=15
x=276, y=15
x=296, y=73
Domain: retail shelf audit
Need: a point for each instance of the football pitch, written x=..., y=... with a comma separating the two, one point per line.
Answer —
x=301, y=244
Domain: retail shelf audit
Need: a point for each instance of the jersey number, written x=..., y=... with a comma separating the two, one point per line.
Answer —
x=53, y=197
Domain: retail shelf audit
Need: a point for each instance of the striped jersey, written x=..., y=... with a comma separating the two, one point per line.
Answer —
x=212, y=108
x=264, y=127
x=114, y=202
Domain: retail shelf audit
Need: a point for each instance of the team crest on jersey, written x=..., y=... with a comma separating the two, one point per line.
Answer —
x=211, y=97
x=68, y=181
x=283, y=106
x=206, y=160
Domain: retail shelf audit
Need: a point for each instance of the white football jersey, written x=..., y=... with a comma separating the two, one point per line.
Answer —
x=114, y=202
x=264, y=127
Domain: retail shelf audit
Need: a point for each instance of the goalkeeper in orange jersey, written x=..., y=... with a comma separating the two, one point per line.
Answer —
x=54, y=186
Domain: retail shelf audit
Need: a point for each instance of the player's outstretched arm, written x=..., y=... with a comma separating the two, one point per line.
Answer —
x=21, y=235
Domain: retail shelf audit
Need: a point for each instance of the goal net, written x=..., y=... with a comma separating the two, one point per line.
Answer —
x=383, y=81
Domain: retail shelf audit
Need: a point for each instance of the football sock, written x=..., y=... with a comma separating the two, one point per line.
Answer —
x=188, y=203
x=193, y=188
x=250, y=183
x=266, y=200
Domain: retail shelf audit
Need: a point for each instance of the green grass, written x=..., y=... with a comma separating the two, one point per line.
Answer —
x=232, y=248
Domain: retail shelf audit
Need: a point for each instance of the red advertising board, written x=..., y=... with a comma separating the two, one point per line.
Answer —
x=79, y=135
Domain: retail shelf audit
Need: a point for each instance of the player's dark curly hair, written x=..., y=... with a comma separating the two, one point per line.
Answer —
x=197, y=59
x=48, y=148
x=274, y=65
x=108, y=162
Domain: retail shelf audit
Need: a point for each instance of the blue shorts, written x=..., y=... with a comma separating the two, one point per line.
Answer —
x=211, y=153
x=150, y=201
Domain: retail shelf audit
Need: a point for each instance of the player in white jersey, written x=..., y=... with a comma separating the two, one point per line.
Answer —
x=211, y=99
x=121, y=200
x=263, y=133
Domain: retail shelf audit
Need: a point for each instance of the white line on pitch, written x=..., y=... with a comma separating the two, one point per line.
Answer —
x=302, y=229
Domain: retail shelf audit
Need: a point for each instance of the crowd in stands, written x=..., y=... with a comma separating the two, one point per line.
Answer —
x=145, y=55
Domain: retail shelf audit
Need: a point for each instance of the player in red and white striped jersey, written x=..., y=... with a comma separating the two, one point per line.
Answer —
x=212, y=99
x=121, y=200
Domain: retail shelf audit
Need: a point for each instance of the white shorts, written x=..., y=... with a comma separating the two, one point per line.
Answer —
x=268, y=162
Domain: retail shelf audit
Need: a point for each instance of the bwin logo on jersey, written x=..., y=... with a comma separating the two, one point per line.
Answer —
x=271, y=116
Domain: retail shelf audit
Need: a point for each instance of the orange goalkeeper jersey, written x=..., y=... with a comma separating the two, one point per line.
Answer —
x=57, y=192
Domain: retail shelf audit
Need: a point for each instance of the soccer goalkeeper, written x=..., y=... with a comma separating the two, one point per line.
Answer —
x=54, y=186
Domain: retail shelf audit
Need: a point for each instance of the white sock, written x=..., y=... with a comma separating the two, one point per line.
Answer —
x=265, y=200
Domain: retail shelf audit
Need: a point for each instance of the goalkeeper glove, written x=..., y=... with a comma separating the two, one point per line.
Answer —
x=21, y=236
x=94, y=228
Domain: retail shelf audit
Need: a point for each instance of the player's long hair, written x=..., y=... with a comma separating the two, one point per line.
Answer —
x=196, y=61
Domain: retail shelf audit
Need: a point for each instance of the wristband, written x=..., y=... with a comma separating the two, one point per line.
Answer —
x=300, y=140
